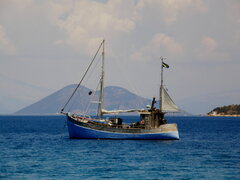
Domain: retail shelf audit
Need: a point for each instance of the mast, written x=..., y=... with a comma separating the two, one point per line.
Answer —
x=161, y=85
x=101, y=96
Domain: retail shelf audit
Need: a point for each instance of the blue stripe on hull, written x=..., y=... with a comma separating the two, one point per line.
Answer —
x=76, y=131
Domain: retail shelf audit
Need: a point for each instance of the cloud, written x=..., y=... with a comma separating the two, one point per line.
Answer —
x=235, y=17
x=86, y=23
x=209, y=43
x=168, y=43
x=160, y=44
x=83, y=24
x=235, y=7
x=209, y=50
x=6, y=46
x=170, y=10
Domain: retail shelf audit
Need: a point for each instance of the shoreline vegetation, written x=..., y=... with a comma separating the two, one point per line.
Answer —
x=226, y=111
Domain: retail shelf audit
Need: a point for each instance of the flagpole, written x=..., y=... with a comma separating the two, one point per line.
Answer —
x=160, y=97
x=161, y=86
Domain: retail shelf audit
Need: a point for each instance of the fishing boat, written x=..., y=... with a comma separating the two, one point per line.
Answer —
x=151, y=124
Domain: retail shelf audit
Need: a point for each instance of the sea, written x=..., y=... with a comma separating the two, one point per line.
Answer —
x=38, y=147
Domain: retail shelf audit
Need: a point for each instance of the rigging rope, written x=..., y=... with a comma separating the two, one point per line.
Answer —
x=89, y=104
x=82, y=77
x=73, y=103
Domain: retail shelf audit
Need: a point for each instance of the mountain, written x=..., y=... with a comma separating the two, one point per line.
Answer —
x=120, y=98
x=115, y=98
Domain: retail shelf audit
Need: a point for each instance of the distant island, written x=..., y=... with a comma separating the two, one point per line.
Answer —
x=231, y=110
x=115, y=98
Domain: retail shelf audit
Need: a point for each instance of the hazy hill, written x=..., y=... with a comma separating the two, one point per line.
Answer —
x=15, y=94
x=115, y=98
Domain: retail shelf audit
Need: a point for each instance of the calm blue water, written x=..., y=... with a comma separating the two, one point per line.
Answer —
x=38, y=147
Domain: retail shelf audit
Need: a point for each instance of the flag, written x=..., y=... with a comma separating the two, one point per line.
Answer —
x=165, y=65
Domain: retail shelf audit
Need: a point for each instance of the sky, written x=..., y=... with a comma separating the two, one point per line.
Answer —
x=46, y=45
